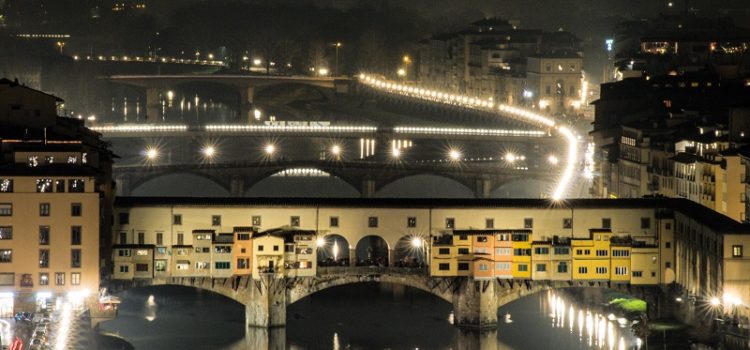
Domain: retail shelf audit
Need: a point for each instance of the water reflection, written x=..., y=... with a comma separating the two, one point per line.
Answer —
x=173, y=106
x=361, y=316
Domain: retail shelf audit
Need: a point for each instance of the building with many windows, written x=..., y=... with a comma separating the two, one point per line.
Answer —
x=55, y=198
x=646, y=241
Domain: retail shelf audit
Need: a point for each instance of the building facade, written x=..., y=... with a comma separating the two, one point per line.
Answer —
x=55, y=190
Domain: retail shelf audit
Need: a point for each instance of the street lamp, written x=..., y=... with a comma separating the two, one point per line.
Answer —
x=401, y=72
x=336, y=150
x=61, y=45
x=151, y=153
x=395, y=152
x=337, y=45
x=209, y=151
x=269, y=149
x=454, y=155
x=407, y=62
x=257, y=114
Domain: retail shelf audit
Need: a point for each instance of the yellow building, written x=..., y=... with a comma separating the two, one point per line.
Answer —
x=443, y=256
x=541, y=260
x=644, y=262
x=620, y=251
x=284, y=252
x=521, y=240
x=591, y=260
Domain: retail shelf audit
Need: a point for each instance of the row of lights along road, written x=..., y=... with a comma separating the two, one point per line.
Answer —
x=475, y=103
x=209, y=152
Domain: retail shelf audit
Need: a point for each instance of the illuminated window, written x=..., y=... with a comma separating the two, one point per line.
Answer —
x=6, y=185
x=736, y=251
x=76, y=185
x=60, y=278
x=6, y=255
x=60, y=186
x=141, y=252
x=75, y=278
x=44, y=185
x=44, y=279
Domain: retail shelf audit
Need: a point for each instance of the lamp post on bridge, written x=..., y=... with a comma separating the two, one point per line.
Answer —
x=337, y=45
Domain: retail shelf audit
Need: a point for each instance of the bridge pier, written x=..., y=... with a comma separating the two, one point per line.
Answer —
x=123, y=185
x=152, y=105
x=483, y=188
x=352, y=257
x=247, y=108
x=266, y=307
x=475, y=305
x=368, y=188
x=237, y=186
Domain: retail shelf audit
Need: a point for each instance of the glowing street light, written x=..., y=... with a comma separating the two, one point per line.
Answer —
x=395, y=152
x=401, y=72
x=209, y=151
x=510, y=158
x=323, y=71
x=152, y=153
x=320, y=242
x=257, y=113
x=270, y=149
x=715, y=301
x=417, y=242
x=552, y=159
x=454, y=154
x=336, y=150
x=256, y=62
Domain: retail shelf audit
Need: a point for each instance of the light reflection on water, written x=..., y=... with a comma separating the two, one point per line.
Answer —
x=362, y=316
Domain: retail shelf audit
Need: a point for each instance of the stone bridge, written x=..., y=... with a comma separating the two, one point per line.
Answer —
x=475, y=302
x=368, y=176
x=246, y=85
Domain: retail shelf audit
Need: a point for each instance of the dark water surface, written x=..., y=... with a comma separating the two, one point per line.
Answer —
x=361, y=316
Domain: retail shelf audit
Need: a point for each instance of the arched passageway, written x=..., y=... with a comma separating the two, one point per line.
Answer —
x=410, y=251
x=333, y=250
x=372, y=251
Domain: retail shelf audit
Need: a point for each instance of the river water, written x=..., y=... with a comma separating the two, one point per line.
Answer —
x=360, y=316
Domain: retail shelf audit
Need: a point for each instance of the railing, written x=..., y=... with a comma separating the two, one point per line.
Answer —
x=371, y=270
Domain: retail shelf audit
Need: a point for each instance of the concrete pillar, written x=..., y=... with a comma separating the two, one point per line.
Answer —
x=483, y=188
x=475, y=305
x=480, y=340
x=153, y=106
x=352, y=257
x=123, y=185
x=267, y=305
x=237, y=186
x=368, y=188
x=247, y=108
x=265, y=338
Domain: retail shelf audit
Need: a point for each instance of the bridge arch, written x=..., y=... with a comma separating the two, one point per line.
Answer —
x=301, y=182
x=372, y=250
x=410, y=251
x=198, y=184
x=333, y=250
x=424, y=185
x=523, y=187
x=261, y=92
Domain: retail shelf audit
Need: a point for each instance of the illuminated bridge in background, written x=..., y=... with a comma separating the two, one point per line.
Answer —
x=551, y=149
